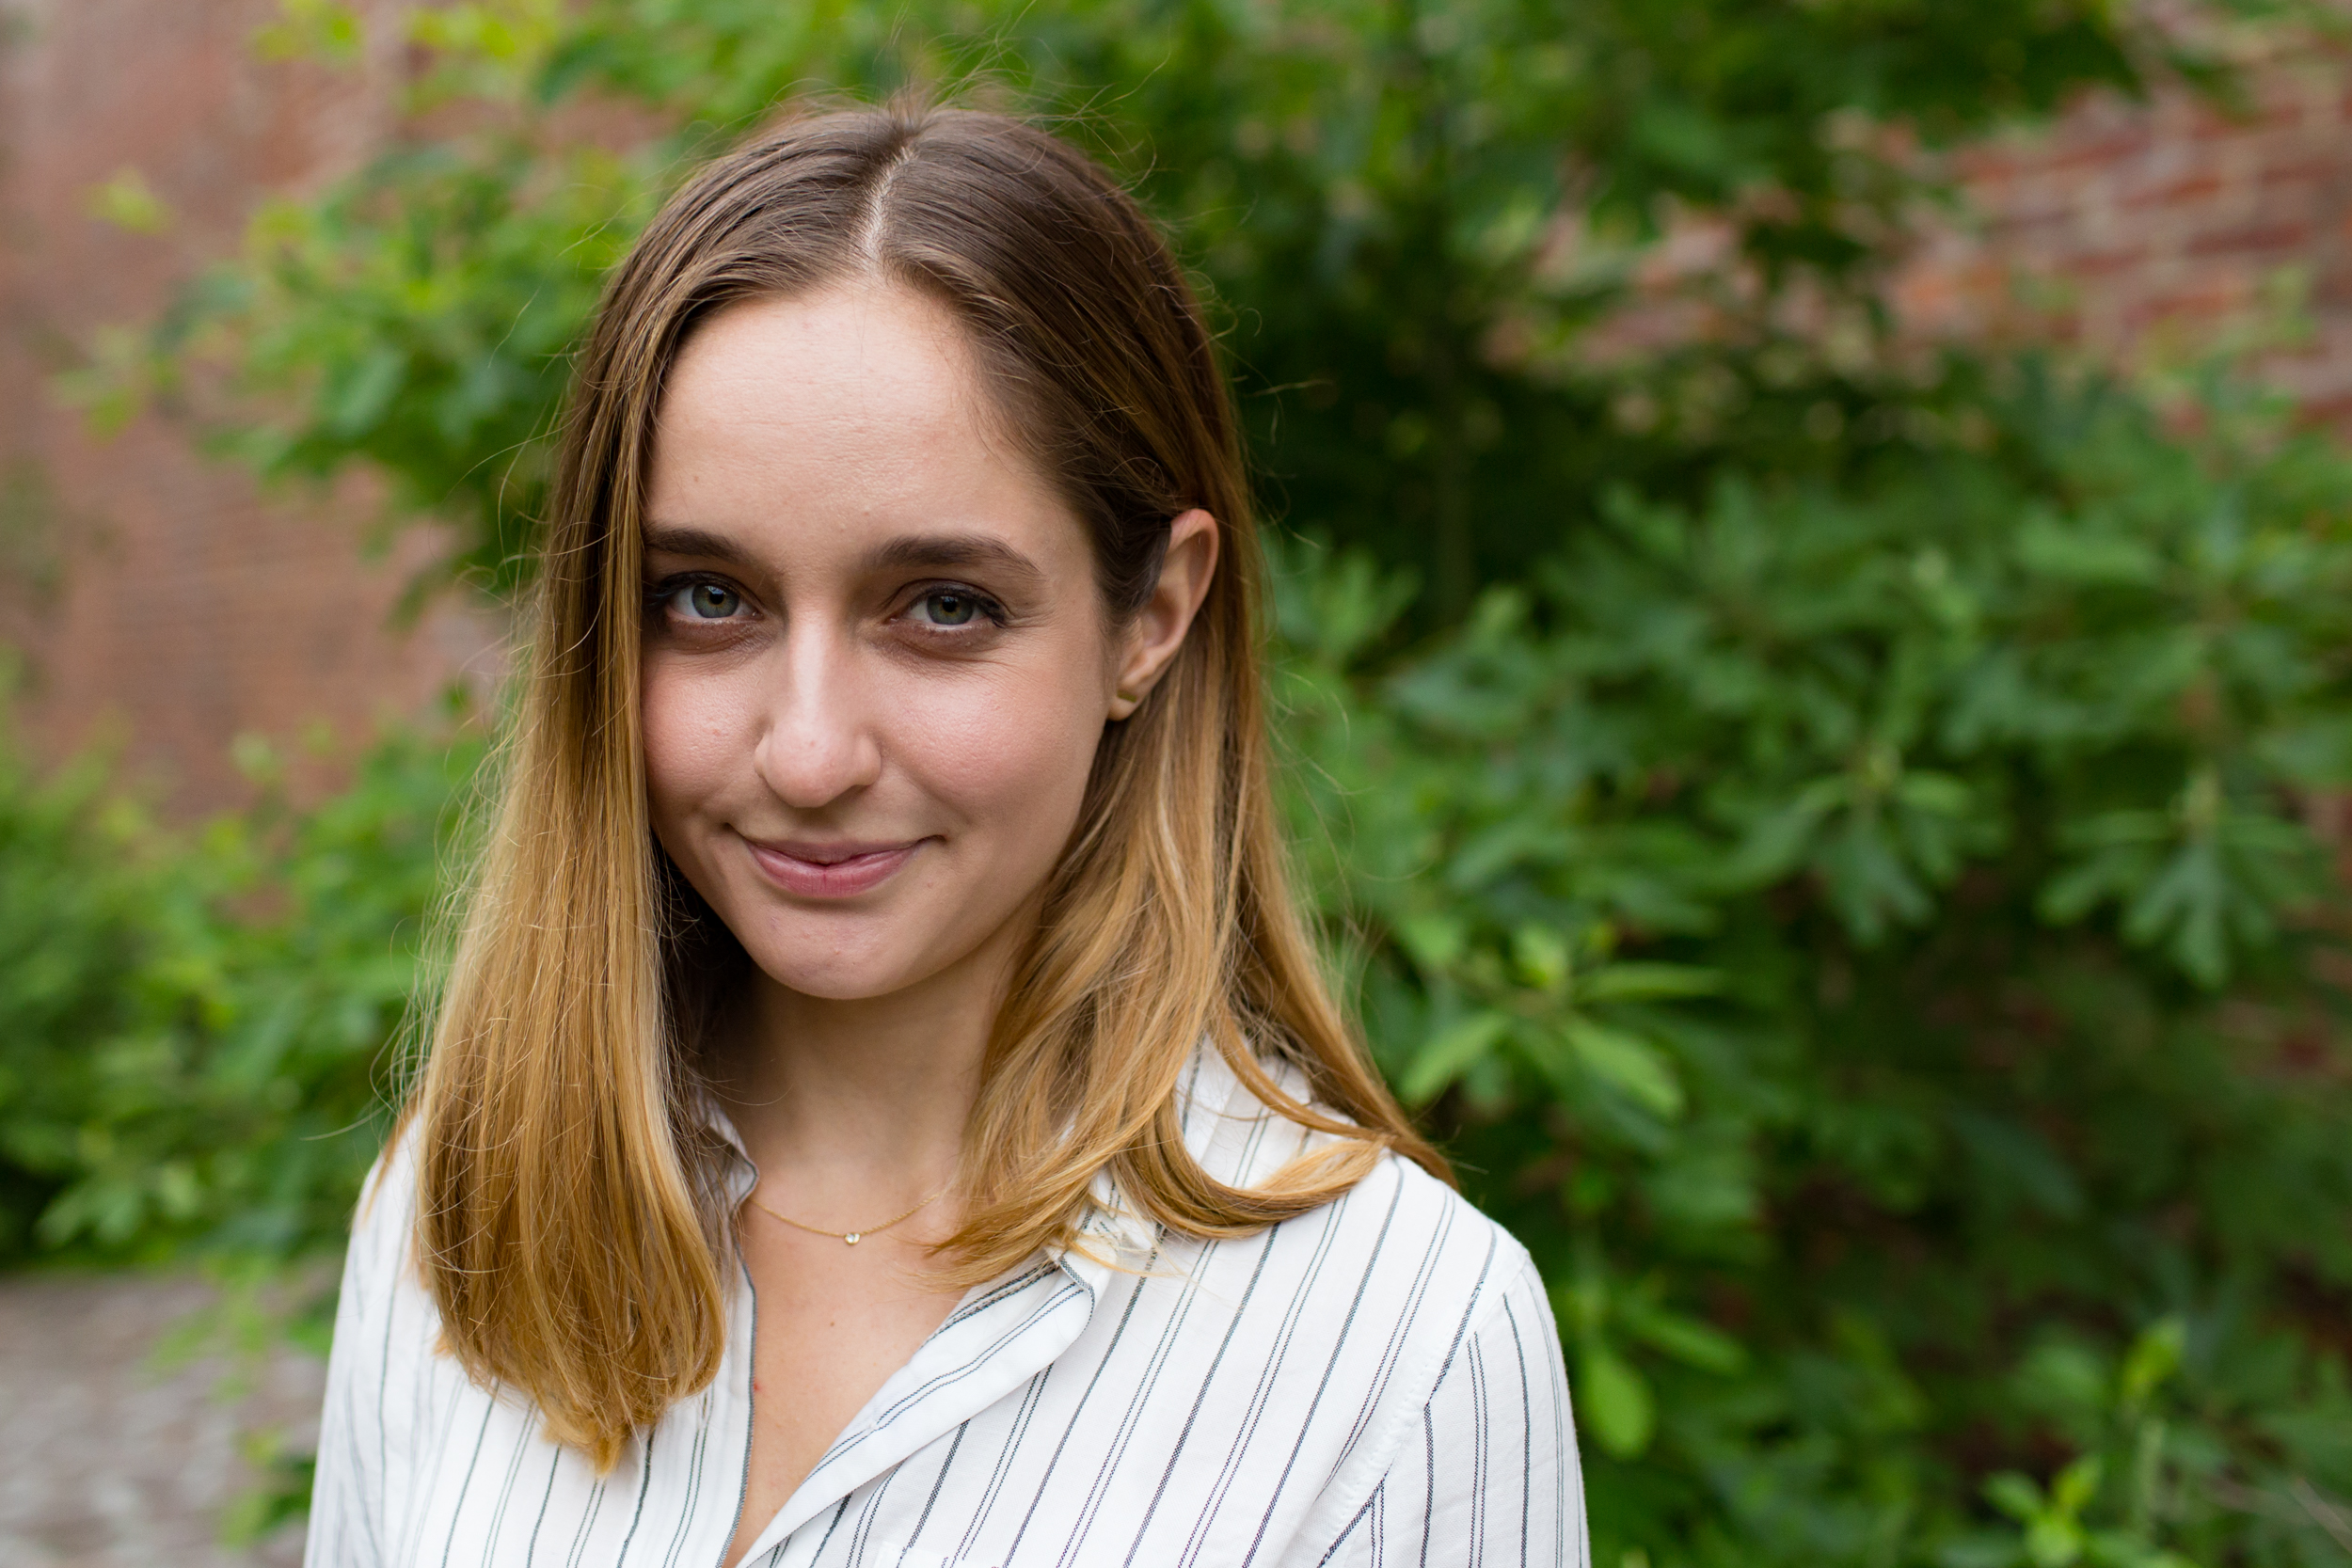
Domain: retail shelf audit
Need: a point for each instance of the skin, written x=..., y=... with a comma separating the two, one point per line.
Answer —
x=876, y=672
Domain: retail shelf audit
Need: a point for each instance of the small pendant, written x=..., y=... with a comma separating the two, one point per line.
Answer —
x=853, y=1237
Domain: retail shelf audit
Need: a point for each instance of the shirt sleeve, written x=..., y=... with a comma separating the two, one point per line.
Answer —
x=1488, y=1475
x=347, y=1494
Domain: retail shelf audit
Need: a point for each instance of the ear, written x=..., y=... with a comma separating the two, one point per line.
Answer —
x=1158, y=628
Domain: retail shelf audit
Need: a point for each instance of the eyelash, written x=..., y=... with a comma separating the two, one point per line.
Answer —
x=659, y=594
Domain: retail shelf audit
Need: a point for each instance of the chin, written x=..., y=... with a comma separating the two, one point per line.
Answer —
x=831, y=970
x=832, y=983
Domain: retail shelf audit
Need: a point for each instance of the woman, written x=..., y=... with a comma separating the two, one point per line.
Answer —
x=885, y=1109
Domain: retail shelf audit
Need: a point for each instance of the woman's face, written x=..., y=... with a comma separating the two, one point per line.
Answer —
x=876, y=662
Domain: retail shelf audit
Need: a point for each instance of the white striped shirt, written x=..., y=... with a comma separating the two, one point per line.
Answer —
x=1376, y=1382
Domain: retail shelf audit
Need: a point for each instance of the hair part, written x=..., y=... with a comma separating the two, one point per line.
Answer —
x=571, y=1220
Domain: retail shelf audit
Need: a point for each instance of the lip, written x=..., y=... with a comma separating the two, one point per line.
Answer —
x=842, y=869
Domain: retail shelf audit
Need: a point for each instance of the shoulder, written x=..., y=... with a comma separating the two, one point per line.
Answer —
x=1401, y=1234
x=387, y=1389
x=386, y=1324
x=1333, y=1344
x=1422, y=1257
x=384, y=1224
x=1388, y=1286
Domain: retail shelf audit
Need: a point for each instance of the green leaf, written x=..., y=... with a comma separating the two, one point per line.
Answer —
x=1540, y=955
x=2068, y=549
x=2052, y=1542
x=130, y=203
x=2014, y=1495
x=1451, y=1052
x=2075, y=1486
x=1434, y=941
x=1938, y=793
x=2154, y=1356
x=1647, y=982
x=1686, y=1340
x=356, y=399
x=1626, y=1063
x=1613, y=1402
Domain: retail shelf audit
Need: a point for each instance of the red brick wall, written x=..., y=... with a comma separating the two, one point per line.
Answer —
x=2156, y=231
x=156, y=595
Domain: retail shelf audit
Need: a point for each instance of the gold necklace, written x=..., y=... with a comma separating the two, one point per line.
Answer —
x=851, y=1237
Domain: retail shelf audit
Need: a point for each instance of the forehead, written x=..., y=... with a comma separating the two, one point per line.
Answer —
x=835, y=416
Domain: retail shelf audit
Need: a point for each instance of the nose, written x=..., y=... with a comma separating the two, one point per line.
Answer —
x=817, y=742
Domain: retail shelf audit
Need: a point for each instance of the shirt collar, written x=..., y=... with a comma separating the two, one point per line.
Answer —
x=1221, y=1120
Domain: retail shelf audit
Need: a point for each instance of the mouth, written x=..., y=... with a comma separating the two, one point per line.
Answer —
x=841, y=869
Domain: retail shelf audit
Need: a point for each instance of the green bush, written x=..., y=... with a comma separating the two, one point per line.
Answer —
x=1803, y=913
x=1823, y=831
x=199, y=1028
x=69, y=929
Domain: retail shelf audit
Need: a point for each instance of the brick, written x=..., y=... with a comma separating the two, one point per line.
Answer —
x=2104, y=266
x=2265, y=240
x=2181, y=191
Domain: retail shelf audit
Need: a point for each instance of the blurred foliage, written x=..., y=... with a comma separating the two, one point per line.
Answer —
x=1824, y=828
x=199, y=1025
x=1802, y=909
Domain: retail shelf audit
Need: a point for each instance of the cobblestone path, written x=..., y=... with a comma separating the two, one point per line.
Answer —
x=109, y=1461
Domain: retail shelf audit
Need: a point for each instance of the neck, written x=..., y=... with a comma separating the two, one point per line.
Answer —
x=856, y=1107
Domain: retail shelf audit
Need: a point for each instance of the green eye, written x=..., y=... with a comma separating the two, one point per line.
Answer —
x=948, y=606
x=707, y=601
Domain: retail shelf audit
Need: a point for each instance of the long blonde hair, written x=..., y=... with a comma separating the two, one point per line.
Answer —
x=571, y=1224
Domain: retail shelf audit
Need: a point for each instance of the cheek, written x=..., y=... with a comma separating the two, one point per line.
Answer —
x=692, y=746
x=1007, y=757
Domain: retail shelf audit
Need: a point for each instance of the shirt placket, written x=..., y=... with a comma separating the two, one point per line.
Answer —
x=998, y=1338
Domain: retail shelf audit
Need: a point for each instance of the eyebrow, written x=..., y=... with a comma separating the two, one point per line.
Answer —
x=673, y=539
x=907, y=552
x=914, y=551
